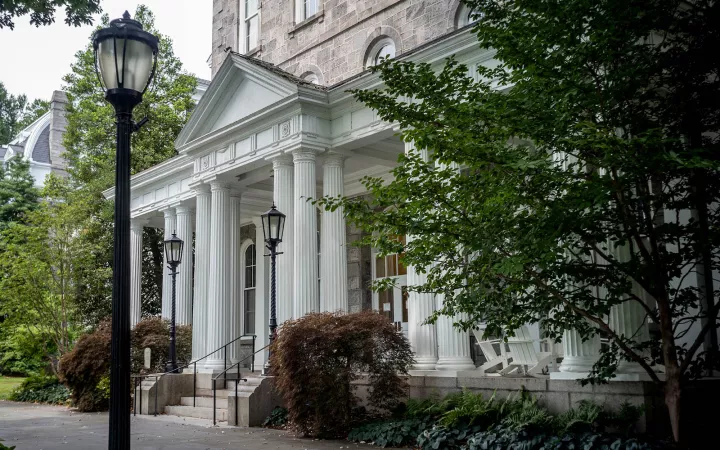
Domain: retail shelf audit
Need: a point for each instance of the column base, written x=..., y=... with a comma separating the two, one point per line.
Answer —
x=425, y=363
x=456, y=363
x=578, y=364
x=214, y=366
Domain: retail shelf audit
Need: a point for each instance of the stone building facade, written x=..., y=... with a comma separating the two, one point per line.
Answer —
x=336, y=41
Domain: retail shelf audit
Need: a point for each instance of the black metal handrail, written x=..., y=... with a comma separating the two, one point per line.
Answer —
x=237, y=380
x=139, y=377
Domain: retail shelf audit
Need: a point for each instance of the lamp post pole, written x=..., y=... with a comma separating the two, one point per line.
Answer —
x=172, y=362
x=273, y=222
x=125, y=58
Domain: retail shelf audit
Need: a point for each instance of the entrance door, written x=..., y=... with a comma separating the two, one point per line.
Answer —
x=393, y=303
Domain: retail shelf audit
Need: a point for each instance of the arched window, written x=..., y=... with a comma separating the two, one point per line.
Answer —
x=250, y=259
x=465, y=16
x=311, y=78
x=383, y=48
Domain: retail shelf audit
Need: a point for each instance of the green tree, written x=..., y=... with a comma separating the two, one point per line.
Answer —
x=40, y=262
x=90, y=144
x=579, y=174
x=16, y=114
x=18, y=195
x=42, y=12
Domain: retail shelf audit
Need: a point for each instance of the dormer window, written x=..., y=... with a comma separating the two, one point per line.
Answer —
x=465, y=16
x=382, y=49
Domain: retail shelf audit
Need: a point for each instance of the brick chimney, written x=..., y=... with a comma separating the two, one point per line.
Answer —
x=57, y=130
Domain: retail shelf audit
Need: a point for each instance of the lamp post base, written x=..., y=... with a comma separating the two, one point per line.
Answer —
x=170, y=367
x=267, y=370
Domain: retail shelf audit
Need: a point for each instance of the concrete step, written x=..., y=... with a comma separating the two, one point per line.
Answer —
x=205, y=402
x=197, y=412
x=221, y=393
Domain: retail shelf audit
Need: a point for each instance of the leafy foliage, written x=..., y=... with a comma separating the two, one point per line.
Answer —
x=278, y=418
x=16, y=113
x=90, y=143
x=154, y=333
x=18, y=195
x=83, y=368
x=20, y=351
x=393, y=433
x=581, y=149
x=41, y=389
x=42, y=12
x=4, y=447
x=317, y=358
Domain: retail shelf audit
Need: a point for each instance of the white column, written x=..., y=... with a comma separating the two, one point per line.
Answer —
x=285, y=203
x=170, y=228
x=136, y=257
x=202, y=263
x=235, y=314
x=629, y=318
x=262, y=296
x=333, y=250
x=453, y=344
x=579, y=356
x=423, y=338
x=184, y=311
x=305, y=258
x=219, y=275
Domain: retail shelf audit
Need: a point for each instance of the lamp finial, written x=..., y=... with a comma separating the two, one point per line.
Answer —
x=126, y=15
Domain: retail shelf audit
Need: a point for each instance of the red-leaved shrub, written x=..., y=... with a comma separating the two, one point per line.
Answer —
x=316, y=358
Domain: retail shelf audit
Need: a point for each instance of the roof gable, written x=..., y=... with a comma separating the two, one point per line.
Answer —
x=241, y=87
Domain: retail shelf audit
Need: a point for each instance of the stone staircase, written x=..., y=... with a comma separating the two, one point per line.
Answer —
x=203, y=408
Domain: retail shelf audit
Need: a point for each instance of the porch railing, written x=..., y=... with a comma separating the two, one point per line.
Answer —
x=138, y=378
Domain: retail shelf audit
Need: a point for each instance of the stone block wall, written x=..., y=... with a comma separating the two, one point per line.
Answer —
x=333, y=43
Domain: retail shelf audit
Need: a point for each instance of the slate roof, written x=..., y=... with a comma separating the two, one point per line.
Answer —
x=278, y=71
x=3, y=150
x=41, y=151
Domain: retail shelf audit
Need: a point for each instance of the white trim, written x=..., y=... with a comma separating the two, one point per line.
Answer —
x=243, y=248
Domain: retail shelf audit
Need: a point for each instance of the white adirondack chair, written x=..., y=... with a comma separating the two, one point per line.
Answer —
x=493, y=360
x=524, y=356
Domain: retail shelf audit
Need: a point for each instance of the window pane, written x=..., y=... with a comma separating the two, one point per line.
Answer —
x=379, y=267
x=402, y=270
x=250, y=7
x=250, y=311
x=311, y=8
x=391, y=265
x=405, y=295
x=386, y=304
x=251, y=25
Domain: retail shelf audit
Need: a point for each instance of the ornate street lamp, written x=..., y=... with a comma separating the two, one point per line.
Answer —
x=125, y=60
x=173, y=256
x=273, y=223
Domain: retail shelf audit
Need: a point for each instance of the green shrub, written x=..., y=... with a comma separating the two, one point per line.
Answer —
x=3, y=447
x=440, y=437
x=83, y=368
x=390, y=434
x=277, y=418
x=317, y=357
x=154, y=333
x=41, y=389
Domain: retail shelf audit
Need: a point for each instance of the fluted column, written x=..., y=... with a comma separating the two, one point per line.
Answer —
x=579, y=356
x=629, y=318
x=421, y=305
x=136, y=246
x=283, y=185
x=305, y=287
x=333, y=251
x=219, y=276
x=453, y=344
x=235, y=314
x=184, y=311
x=202, y=263
x=170, y=228
x=262, y=295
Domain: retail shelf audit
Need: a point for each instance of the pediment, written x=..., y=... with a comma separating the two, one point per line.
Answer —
x=239, y=90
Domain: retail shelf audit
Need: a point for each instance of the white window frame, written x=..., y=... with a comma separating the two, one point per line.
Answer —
x=244, y=288
x=305, y=9
x=372, y=53
x=243, y=44
x=463, y=16
x=400, y=284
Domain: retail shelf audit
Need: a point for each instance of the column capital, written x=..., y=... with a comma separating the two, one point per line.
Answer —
x=304, y=155
x=333, y=159
x=184, y=210
x=282, y=161
x=199, y=187
x=138, y=224
x=235, y=194
x=218, y=185
x=168, y=212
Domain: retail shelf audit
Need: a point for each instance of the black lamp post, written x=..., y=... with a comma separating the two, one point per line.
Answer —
x=173, y=256
x=125, y=60
x=273, y=222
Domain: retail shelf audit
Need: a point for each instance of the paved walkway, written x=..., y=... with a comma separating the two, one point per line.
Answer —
x=43, y=427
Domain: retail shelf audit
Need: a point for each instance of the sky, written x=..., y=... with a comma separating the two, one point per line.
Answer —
x=34, y=60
